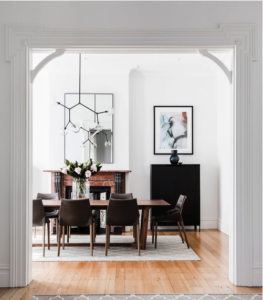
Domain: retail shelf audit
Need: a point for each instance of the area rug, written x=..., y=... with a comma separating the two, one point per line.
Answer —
x=150, y=297
x=170, y=248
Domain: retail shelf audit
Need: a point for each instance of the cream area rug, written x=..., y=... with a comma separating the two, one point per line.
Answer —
x=151, y=297
x=169, y=248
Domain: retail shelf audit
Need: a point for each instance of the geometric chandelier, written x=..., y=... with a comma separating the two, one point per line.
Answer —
x=97, y=127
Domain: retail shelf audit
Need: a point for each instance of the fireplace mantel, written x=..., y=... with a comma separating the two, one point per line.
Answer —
x=115, y=179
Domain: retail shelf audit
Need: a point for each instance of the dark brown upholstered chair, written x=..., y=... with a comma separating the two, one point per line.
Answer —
x=121, y=196
x=173, y=215
x=124, y=196
x=50, y=213
x=40, y=219
x=75, y=213
x=122, y=212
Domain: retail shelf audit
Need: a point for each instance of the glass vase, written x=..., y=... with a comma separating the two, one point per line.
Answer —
x=80, y=188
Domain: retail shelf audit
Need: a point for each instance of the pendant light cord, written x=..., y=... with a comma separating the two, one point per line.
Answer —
x=79, y=76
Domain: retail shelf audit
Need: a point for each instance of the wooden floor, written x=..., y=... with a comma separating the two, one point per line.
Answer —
x=210, y=275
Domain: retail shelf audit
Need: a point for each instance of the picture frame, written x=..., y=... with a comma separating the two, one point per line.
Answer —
x=173, y=130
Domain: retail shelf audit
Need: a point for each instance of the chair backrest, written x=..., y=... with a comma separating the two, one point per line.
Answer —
x=39, y=214
x=122, y=212
x=180, y=203
x=121, y=196
x=44, y=196
x=75, y=213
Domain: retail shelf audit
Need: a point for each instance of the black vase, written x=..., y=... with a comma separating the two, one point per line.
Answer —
x=174, y=159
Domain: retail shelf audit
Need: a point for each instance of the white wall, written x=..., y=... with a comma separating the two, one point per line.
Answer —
x=128, y=16
x=186, y=85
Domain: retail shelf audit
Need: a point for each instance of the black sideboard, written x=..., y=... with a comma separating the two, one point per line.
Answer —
x=169, y=181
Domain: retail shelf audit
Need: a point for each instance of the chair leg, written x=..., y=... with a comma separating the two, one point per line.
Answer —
x=185, y=234
x=156, y=228
x=57, y=228
x=91, y=239
x=35, y=233
x=68, y=234
x=109, y=239
x=178, y=223
x=106, y=242
x=94, y=232
x=138, y=238
x=63, y=238
x=59, y=234
x=152, y=232
x=69, y=231
x=44, y=233
x=135, y=233
x=48, y=236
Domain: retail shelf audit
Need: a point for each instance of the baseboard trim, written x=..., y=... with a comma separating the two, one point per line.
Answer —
x=209, y=223
x=223, y=226
x=257, y=275
x=205, y=224
x=4, y=276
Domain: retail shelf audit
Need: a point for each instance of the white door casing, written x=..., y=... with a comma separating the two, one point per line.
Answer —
x=20, y=39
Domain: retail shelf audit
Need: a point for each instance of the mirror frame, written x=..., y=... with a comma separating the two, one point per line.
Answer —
x=111, y=116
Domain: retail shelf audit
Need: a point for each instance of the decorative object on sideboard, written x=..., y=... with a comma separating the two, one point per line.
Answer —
x=80, y=173
x=95, y=128
x=173, y=129
x=174, y=158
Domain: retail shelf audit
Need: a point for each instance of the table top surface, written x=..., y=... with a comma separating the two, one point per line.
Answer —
x=103, y=203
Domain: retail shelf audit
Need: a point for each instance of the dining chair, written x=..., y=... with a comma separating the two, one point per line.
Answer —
x=50, y=213
x=75, y=213
x=124, y=196
x=121, y=196
x=122, y=212
x=40, y=219
x=174, y=216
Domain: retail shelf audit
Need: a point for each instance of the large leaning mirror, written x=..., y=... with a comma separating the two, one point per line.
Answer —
x=88, y=142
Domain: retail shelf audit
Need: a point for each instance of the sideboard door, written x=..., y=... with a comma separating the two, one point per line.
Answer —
x=163, y=187
x=188, y=184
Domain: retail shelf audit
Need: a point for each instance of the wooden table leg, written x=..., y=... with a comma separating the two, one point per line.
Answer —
x=141, y=225
x=145, y=227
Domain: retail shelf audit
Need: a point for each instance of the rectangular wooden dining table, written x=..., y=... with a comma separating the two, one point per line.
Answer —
x=144, y=205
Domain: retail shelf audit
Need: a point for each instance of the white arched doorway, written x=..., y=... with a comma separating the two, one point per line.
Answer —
x=239, y=37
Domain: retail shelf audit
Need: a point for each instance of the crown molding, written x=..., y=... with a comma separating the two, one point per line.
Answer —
x=20, y=40
x=38, y=36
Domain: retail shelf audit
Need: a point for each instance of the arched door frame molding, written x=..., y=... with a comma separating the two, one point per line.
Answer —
x=21, y=39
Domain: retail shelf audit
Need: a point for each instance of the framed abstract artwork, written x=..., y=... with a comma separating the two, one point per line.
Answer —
x=173, y=130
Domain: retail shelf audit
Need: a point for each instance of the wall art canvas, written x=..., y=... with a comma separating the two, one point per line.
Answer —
x=173, y=129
